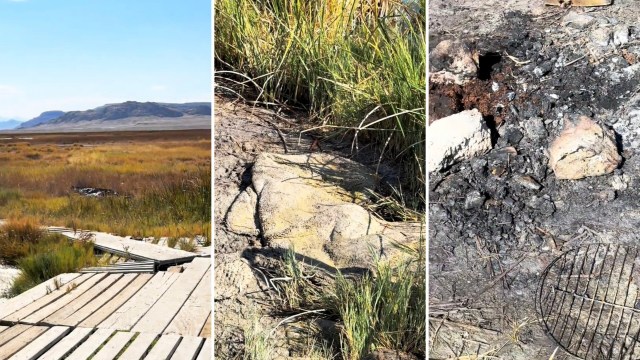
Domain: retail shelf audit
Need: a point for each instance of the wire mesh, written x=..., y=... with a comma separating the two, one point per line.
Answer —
x=588, y=300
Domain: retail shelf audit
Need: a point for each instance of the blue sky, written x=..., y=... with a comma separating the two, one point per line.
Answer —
x=80, y=54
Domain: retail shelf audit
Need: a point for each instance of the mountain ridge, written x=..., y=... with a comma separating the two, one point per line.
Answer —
x=119, y=111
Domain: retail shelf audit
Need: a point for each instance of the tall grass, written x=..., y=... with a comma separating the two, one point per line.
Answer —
x=382, y=310
x=354, y=70
x=39, y=255
x=183, y=201
x=52, y=256
x=17, y=238
x=163, y=182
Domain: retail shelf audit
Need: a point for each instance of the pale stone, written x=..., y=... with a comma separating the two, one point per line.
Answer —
x=601, y=36
x=460, y=59
x=310, y=203
x=460, y=136
x=578, y=21
x=584, y=149
x=620, y=35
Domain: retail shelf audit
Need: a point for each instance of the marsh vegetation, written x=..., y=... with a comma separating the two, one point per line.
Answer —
x=163, y=185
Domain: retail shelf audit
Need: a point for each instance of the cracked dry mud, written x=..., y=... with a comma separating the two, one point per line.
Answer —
x=498, y=220
x=268, y=200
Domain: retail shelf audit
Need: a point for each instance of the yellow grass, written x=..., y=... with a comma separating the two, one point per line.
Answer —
x=36, y=181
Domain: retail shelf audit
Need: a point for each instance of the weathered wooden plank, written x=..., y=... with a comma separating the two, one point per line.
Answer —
x=206, y=351
x=193, y=315
x=188, y=348
x=135, y=308
x=89, y=346
x=12, y=332
x=206, y=330
x=165, y=309
x=69, y=296
x=135, y=249
x=109, y=308
x=111, y=349
x=57, y=316
x=40, y=345
x=138, y=347
x=198, y=265
x=97, y=302
x=164, y=348
x=64, y=346
x=19, y=302
x=14, y=345
x=3, y=328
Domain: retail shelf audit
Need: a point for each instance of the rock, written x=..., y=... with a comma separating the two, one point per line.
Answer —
x=242, y=217
x=577, y=21
x=584, y=149
x=457, y=59
x=527, y=182
x=620, y=182
x=175, y=269
x=607, y=195
x=601, y=36
x=542, y=204
x=513, y=135
x=479, y=167
x=310, y=203
x=474, y=200
x=460, y=136
x=620, y=35
x=534, y=127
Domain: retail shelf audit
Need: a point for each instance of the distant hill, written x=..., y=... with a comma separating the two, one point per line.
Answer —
x=43, y=118
x=9, y=124
x=195, y=108
x=118, y=113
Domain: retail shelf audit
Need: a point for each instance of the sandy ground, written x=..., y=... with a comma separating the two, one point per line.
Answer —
x=7, y=275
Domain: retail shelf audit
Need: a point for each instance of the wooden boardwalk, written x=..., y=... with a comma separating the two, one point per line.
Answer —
x=165, y=315
x=133, y=249
x=62, y=342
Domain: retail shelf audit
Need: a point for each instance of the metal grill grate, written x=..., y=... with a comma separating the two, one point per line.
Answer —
x=588, y=300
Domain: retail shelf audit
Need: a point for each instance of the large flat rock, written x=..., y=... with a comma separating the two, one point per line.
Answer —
x=312, y=203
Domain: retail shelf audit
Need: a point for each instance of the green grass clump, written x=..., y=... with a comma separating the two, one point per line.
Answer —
x=7, y=196
x=257, y=345
x=187, y=245
x=172, y=242
x=356, y=69
x=382, y=310
x=51, y=257
x=39, y=255
x=387, y=311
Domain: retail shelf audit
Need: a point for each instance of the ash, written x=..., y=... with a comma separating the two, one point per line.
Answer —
x=498, y=220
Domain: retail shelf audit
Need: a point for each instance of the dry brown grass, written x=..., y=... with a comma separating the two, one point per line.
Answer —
x=16, y=239
x=36, y=177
